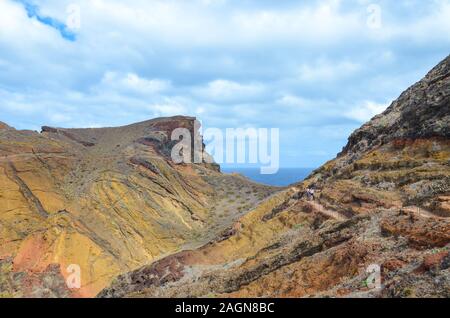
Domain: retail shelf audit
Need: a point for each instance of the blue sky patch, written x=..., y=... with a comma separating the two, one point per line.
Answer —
x=34, y=12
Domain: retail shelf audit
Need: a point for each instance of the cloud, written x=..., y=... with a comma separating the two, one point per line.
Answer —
x=314, y=69
x=171, y=108
x=131, y=82
x=293, y=101
x=321, y=23
x=226, y=91
x=366, y=111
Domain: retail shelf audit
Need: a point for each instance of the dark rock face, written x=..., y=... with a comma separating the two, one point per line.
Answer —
x=422, y=111
x=163, y=146
x=49, y=130
x=169, y=269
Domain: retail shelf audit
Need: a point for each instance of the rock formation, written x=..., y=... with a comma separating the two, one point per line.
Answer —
x=383, y=207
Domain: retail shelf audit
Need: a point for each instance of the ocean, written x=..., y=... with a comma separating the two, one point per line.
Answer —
x=284, y=177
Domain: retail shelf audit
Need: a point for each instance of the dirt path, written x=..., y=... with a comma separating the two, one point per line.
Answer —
x=337, y=216
x=422, y=212
x=332, y=214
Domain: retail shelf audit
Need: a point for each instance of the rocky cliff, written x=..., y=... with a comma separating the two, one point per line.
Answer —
x=382, y=206
x=106, y=201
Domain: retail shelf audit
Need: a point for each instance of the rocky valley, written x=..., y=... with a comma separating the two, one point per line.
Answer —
x=111, y=201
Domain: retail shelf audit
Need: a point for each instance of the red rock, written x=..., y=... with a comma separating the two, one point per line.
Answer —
x=392, y=265
x=434, y=261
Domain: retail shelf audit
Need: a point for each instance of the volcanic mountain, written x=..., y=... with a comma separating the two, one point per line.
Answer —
x=111, y=201
x=382, y=216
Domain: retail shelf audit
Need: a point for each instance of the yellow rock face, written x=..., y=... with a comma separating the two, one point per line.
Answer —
x=105, y=200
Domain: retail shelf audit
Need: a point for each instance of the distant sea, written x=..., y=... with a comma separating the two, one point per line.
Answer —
x=284, y=177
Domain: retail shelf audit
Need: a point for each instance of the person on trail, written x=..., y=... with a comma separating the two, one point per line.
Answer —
x=311, y=191
x=308, y=194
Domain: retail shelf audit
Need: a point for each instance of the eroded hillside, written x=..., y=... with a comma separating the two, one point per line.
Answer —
x=383, y=202
x=108, y=200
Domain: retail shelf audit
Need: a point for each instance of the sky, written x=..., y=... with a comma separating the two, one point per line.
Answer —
x=317, y=70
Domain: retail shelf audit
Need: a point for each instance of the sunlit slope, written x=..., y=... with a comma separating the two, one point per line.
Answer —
x=108, y=200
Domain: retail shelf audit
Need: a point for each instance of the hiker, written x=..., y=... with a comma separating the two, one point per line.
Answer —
x=312, y=191
x=310, y=194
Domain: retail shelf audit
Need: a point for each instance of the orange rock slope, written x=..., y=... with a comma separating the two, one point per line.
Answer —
x=382, y=207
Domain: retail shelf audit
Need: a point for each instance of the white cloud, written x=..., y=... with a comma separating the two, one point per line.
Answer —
x=366, y=111
x=428, y=27
x=252, y=63
x=15, y=25
x=226, y=91
x=214, y=22
x=319, y=23
x=169, y=108
x=134, y=83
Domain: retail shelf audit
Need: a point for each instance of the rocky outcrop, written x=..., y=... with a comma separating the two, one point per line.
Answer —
x=421, y=112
